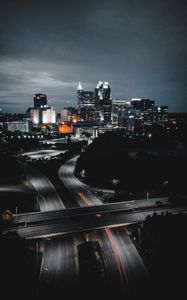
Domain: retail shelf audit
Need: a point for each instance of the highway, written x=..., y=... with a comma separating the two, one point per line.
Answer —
x=80, y=191
x=60, y=232
x=84, y=194
x=57, y=260
x=124, y=266
x=43, y=154
x=48, y=198
x=81, y=223
x=129, y=207
x=59, y=266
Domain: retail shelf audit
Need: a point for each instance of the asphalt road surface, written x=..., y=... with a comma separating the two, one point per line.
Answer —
x=126, y=275
x=48, y=198
x=79, y=190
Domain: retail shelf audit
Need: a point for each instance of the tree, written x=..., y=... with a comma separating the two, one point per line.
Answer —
x=7, y=217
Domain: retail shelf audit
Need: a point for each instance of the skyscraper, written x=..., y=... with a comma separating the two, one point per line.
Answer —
x=119, y=107
x=41, y=113
x=103, y=91
x=86, y=104
x=40, y=100
x=103, y=101
x=142, y=104
x=79, y=94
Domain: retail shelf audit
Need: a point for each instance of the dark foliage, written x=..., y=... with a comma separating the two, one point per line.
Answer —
x=17, y=271
x=104, y=159
x=158, y=171
x=164, y=246
x=9, y=168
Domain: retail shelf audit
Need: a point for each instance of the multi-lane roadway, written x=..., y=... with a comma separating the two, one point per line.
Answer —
x=62, y=230
x=48, y=198
x=80, y=191
x=124, y=266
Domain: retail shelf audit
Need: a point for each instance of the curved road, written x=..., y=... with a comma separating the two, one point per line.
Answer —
x=48, y=198
x=126, y=273
x=83, y=196
x=58, y=258
x=79, y=190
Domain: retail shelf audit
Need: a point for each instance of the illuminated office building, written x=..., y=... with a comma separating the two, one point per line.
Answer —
x=48, y=116
x=118, y=108
x=86, y=104
x=103, y=102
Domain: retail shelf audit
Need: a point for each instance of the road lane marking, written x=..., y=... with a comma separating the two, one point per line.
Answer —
x=85, y=199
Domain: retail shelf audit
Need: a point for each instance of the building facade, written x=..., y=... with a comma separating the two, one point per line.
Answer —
x=48, y=116
x=119, y=107
x=103, y=102
x=40, y=100
x=20, y=126
x=85, y=104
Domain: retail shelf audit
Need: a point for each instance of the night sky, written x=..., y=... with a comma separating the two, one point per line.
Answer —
x=138, y=46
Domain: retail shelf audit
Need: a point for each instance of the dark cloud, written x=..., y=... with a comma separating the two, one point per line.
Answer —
x=139, y=46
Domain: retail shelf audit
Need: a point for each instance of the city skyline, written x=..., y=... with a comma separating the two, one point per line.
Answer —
x=48, y=47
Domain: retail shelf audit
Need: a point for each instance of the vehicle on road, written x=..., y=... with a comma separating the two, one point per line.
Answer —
x=91, y=261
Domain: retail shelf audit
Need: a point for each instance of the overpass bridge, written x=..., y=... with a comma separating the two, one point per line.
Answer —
x=45, y=224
